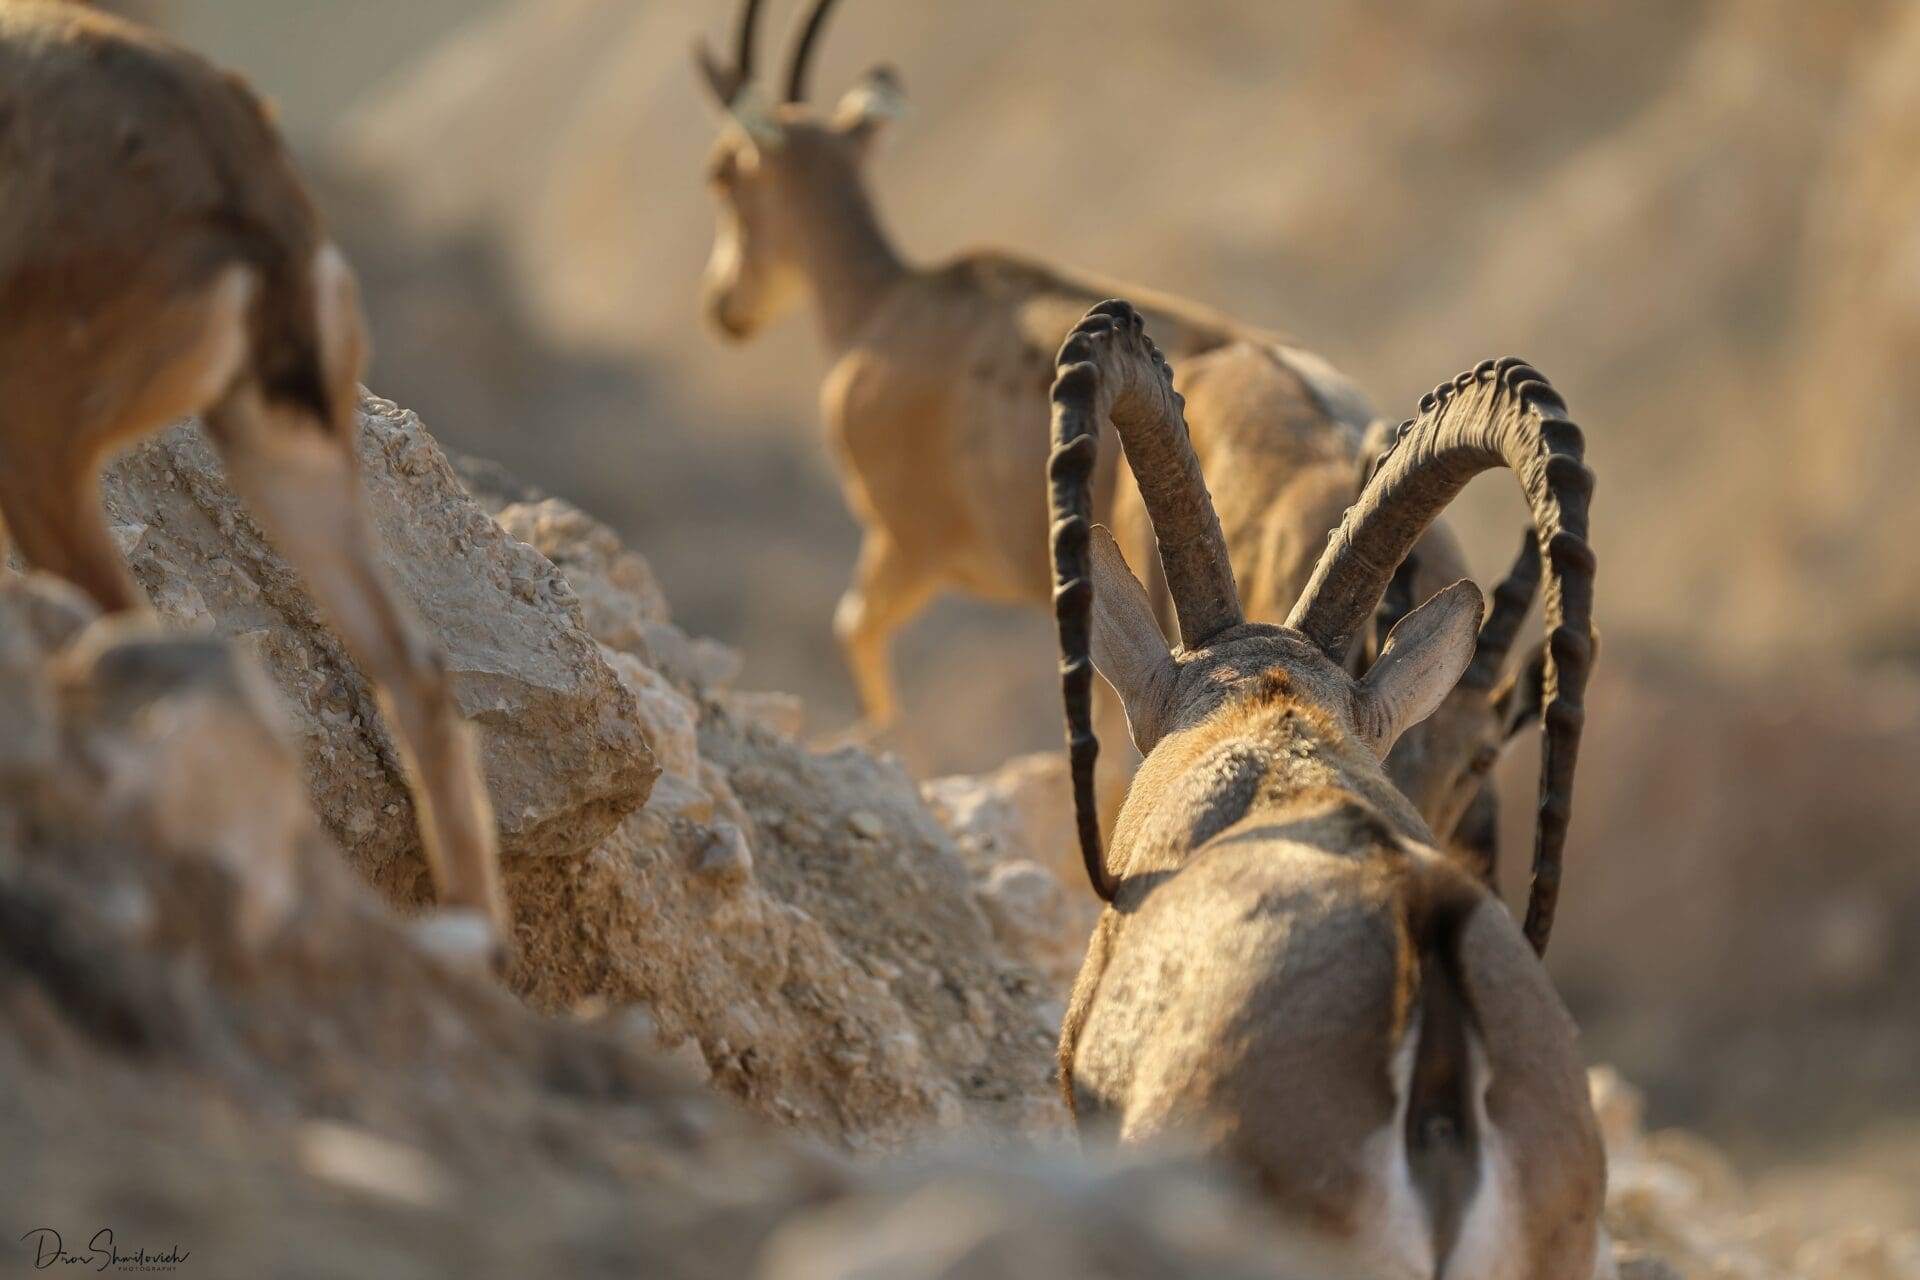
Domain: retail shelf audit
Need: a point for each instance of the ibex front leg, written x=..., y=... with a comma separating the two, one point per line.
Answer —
x=887, y=592
x=301, y=482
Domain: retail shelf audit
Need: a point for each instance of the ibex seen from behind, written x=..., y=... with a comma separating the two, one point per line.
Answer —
x=159, y=257
x=936, y=403
x=1289, y=973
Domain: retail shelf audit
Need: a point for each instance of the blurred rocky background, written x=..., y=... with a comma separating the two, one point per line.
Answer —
x=1700, y=217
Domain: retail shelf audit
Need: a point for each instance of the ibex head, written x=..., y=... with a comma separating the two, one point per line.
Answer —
x=781, y=174
x=1500, y=413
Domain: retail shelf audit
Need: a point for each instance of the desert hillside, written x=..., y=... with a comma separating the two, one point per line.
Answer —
x=774, y=1012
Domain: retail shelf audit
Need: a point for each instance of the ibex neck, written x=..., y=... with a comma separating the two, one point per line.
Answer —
x=1267, y=769
x=1316, y=767
x=849, y=261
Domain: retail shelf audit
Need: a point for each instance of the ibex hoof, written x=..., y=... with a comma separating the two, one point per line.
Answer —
x=464, y=940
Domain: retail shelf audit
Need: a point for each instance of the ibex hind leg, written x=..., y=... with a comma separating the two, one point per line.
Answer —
x=53, y=511
x=60, y=528
x=301, y=482
x=145, y=366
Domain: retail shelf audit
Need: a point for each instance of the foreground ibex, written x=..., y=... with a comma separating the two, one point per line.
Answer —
x=1290, y=974
x=936, y=403
x=159, y=257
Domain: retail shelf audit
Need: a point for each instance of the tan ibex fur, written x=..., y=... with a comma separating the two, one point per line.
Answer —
x=159, y=257
x=935, y=401
x=1290, y=975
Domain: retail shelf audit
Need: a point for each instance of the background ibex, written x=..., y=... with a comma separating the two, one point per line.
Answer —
x=1289, y=973
x=159, y=257
x=935, y=402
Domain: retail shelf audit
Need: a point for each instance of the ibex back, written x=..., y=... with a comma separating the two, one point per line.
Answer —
x=1290, y=975
x=159, y=257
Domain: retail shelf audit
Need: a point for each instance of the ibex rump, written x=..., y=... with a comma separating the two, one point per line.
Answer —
x=1289, y=973
x=159, y=257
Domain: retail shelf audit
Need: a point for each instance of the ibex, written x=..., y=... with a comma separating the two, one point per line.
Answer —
x=936, y=400
x=1289, y=973
x=159, y=257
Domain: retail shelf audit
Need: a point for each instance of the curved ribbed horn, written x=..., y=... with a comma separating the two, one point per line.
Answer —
x=729, y=82
x=802, y=63
x=1396, y=604
x=1110, y=371
x=1070, y=487
x=1511, y=600
x=1398, y=601
x=1499, y=413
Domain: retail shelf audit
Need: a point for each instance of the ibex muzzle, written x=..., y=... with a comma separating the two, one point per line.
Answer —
x=1289, y=974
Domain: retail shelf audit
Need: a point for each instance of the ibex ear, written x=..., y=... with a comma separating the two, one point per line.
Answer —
x=1424, y=657
x=1128, y=648
x=871, y=103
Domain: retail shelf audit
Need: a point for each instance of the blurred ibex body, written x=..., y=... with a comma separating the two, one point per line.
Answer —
x=1289, y=973
x=159, y=257
x=935, y=402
